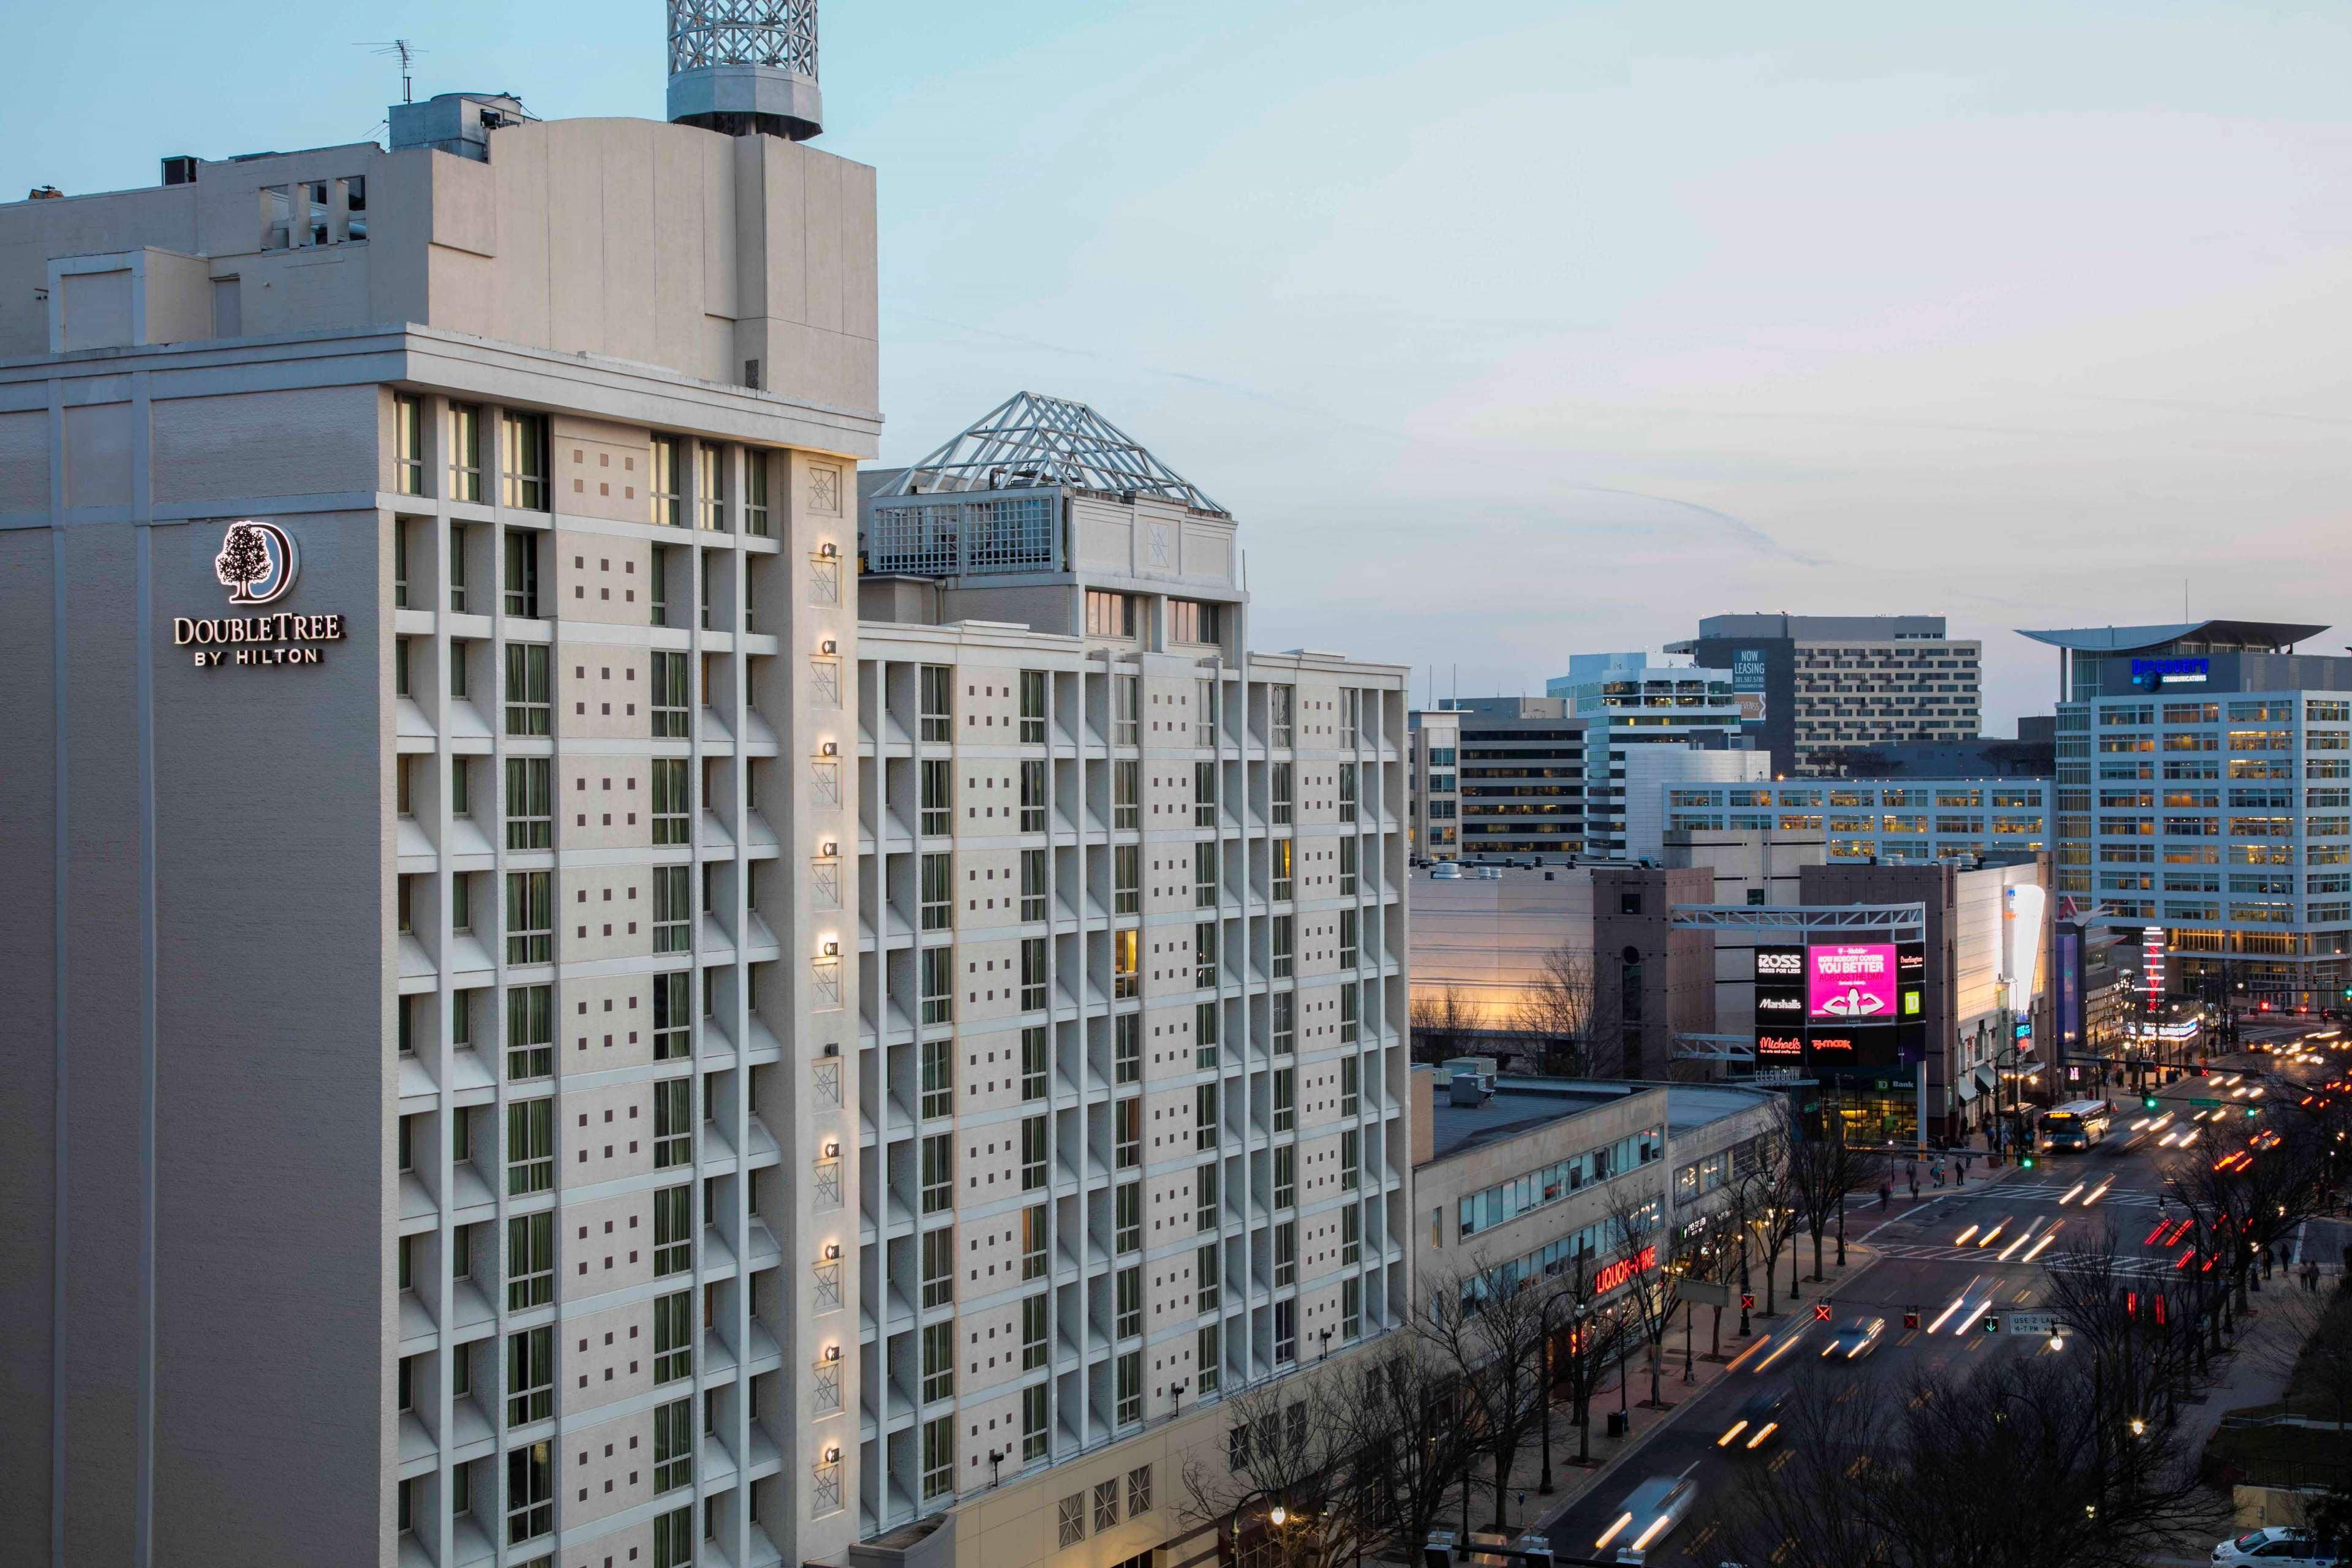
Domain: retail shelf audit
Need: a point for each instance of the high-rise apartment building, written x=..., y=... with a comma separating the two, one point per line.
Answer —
x=1131, y=1022
x=1513, y=785
x=431, y=640
x=1811, y=686
x=2204, y=792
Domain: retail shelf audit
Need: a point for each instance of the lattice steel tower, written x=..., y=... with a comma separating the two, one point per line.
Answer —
x=745, y=66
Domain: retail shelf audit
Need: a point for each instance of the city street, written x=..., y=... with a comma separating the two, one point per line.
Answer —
x=1953, y=1256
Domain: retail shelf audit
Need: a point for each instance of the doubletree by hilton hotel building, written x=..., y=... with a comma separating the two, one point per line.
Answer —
x=2204, y=791
x=540, y=1037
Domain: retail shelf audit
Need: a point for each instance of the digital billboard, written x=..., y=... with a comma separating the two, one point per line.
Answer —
x=1851, y=983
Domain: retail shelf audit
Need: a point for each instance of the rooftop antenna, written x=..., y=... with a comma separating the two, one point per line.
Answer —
x=407, y=53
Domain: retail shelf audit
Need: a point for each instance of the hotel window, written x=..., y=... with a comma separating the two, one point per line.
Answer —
x=1205, y=956
x=1283, y=941
x=673, y=1541
x=938, y=699
x=1208, y=1359
x=670, y=800
x=1285, y=1099
x=673, y=908
x=1283, y=1005
x=522, y=577
x=402, y=802
x=673, y=1336
x=1032, y=1153
x=673, y=1122
x=671, y=696
x=1285, y=1254
x=1205, y=876
x=531, y=1260
x=1349, y=953
x=530, y=1146
x=1128, y=1385
x=1032, y=797
x=1347, y=792
x=1351, y=1309
x=938, y=801
x=657, y=587
x=1286, y=1176
x=1032, y=885
x=1035, y=1313
x=938, y=1268
x=1348, y=849
x=1128, y=1287
x=662, y=484
x=1191, y=621
x=1352, y=1236
x=525, y=461
x=400, y=667
x=937, y=965
x=939, y=1361
x=1204, y=1035
x=1126, y=879
x=1286, y=1335
x=458, y=601
x=408, y=443
x=755, y=493
x=1281, y=702
x=1110, y=614
x=1032, y=707
x=1204, y=1136
x=1126, y=701
x=1351, y=710
x=673, y=1004
x=1127, y=1049
x=1125, y=964
x=461, y=902
x=530, y=1474
x=709, y=486
x=939, y=1079
x=937, y=1172
x=531, y=1031
x=672, y=1445
x=1125, y=794
x=938, y=1458
x=1033, y=1064
x=1034, y=1413
x=465, y=452
x=1032, y=1218
x=399, y=564
x=1033, y=974
x=1349, y=998
x=1204, y=794
x=458, y=660
x=673, y=1230
x=529, y=709
x=1205, y=1290
x=404, y=1251
x=1283, y=852
x=1127, y=1133
x=531, y=917
x=1128, y=1211
x=938, y=892
x=1350, y=1159
x=1283, y=793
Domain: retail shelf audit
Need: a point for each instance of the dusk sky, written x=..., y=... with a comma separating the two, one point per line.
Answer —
x=1514, y=330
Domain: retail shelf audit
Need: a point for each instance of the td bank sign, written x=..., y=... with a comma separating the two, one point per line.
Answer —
x=258, y=563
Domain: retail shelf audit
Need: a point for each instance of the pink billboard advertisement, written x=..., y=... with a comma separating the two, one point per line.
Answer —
x=1853, y=982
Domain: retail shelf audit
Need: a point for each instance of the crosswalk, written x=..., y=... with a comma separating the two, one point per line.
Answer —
x=1927, y=1252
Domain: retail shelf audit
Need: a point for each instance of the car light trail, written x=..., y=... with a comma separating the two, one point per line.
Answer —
x=2023, y=1238
x=2095, y=1197
x=2077, y=1188
x=1750, y=1350
x=1986, y=1239
x=1785, y=1347
x=1962, y=1239
x=1957, y=1302
x=1737, y=1428
x=1610, y=1535
x=1763, y=1432
x=1657, y=1526
x=2047, y=1237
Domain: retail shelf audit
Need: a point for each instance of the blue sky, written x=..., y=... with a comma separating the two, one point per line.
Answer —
x=1514, y=331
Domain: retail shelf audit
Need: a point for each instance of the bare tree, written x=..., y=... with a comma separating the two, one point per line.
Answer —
x=1557, y=1010
x=1489, y=1327
x=2140, y=1333
x=1285, y=1486
x=1822, y=1173
x=2312, y=1354
x=2248, y=1187
x=1648, y=1293
x=2028, y=1463
x=1438, y=1018
x=1589, y=1334
x=1763, y=1200
x=1403, y=1421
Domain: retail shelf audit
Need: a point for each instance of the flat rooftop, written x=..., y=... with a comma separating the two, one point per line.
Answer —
x=1522, y=1105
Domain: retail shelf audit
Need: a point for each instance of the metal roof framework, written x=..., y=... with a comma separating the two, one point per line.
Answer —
x=1029, y=440
x=1898, y=920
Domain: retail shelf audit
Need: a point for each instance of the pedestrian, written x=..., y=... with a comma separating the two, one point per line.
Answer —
x=1885, y=1192
x=2269, y=1255
x=2311, y=1276
x=1936, y=1170
x=1913, y=1173
x=1960, y=1172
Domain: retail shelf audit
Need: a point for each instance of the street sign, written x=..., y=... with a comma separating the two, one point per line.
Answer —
x=1705, y=1293
x=2206, y=1104
x=2040, y=1324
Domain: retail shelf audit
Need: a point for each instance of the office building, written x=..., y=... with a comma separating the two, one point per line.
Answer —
x=1528, y=1177
x=424, y=575
x=2204, y=792
x=1910, y=822
x=1630, y=702
x=1484, y=946
x=1651, y=776
x=1811, y=686
x=1515, y=787
x=1130, y=1030
x=1433, y=785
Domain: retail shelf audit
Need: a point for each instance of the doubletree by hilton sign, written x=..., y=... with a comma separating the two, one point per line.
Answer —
x=258, y=563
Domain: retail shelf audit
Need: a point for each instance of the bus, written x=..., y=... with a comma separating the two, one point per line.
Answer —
x=2077, y=1124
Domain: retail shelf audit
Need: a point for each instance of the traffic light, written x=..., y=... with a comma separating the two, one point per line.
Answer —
x=2252, y=1111
x=2147, y=1102
x=1910, y=1317
x=2025, y=1161
x=1821, y=1311
x=1991, y=1324
x=1746, y=1302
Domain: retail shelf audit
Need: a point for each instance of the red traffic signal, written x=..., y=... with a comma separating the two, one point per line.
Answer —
x=1910, y=1317
x=1821, y=1311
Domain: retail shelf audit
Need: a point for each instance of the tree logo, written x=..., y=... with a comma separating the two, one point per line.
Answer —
x=256, y=562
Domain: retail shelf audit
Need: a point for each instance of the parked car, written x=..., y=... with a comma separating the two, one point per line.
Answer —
x=2277, y=1546
x=1648, y=1515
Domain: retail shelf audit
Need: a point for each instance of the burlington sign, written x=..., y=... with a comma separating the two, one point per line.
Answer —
x=256, y=564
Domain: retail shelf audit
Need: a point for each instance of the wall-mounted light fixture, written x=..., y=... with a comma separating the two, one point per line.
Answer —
x=829, y=646
x=833, y=1353
x=829, y=849
x=831, y=1251
x=828, y=749
x=833, y=949
x=833, y=1453
x=828, y=549
x=833, y=1148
